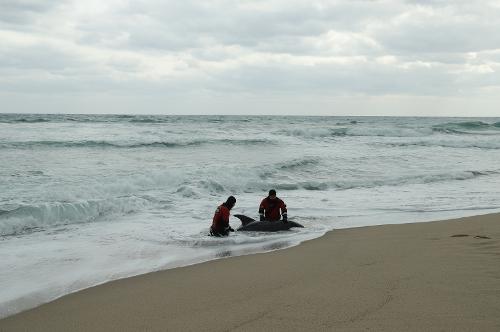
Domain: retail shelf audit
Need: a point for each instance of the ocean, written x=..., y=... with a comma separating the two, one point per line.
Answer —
x=85, y=199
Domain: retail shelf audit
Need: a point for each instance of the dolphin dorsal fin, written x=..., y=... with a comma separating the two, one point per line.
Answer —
x=244, y=219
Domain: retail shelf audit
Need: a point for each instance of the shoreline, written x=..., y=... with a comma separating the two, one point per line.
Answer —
x=417, y=276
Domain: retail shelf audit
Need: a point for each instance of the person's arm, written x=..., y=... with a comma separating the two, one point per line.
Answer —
x=261, y=210
x=225, y=219
x=284, y=211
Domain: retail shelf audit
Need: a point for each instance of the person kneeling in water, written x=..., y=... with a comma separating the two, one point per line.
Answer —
x=270, y=207
x=220, y=223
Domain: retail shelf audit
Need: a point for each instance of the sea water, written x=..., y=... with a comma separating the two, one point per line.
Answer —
x=85, y=199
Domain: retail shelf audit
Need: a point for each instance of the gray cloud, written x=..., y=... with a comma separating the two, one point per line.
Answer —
x=24, y=6
x=451, y=29
x=20, y=12
x=225, y=48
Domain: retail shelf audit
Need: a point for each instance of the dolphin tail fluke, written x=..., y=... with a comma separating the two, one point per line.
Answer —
x=244, y=219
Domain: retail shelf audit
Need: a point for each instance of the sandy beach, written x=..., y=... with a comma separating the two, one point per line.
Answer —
x=437, y=276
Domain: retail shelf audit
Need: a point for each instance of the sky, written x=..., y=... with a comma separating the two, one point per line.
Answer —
x=289, y=57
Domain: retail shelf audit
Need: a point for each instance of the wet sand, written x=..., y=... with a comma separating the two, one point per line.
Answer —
x=437, y=276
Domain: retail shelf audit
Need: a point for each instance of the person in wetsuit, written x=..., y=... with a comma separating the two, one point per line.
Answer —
x=271, y=206
x=220, y=223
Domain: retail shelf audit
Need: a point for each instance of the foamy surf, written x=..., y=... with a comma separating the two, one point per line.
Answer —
x=85, y=199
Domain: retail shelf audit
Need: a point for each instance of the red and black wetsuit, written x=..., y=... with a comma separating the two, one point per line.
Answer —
x=271, y=208
x=220, y=222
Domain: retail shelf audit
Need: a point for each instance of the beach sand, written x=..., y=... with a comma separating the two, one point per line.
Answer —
x=437, y=276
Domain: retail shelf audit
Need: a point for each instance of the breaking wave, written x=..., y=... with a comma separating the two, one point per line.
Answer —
x=275, y=179
x=30, y=218
x=417, y=179
x=130, y=145
x=356, y=131
x=120, y=118
x=299, y=163
x=468, y=127
x=486, y=145
x=346, y=184
x=316, y=132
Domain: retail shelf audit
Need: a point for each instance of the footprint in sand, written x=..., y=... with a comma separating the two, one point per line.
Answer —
x=476, y=237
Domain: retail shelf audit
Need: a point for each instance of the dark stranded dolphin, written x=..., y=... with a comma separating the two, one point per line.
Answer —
x=252, y=225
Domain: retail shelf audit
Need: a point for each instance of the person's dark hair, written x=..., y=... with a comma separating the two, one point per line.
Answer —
x=231, y=200
x=272, y=192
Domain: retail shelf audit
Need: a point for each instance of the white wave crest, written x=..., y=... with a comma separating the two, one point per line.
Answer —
x=28, y=218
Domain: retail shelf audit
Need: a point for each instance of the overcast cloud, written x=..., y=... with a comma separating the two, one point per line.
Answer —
x=251, y=57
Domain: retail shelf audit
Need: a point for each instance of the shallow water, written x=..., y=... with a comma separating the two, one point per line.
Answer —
x=85, y=199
